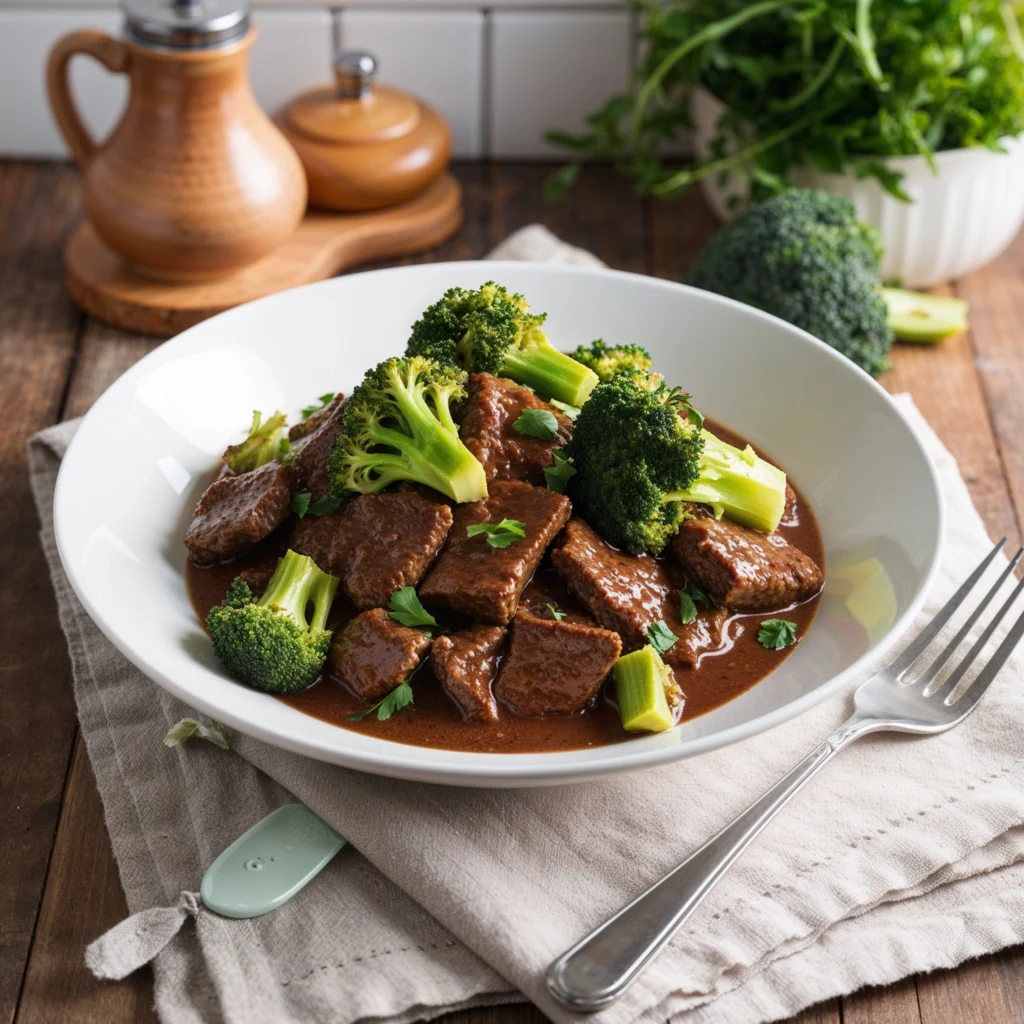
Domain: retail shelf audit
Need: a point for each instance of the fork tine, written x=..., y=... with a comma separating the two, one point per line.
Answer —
x=915, y=649
x=950, y=685
x=929, y=674
x=991, y=670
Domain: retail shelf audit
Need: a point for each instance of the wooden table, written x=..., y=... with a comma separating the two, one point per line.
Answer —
x=58, y=882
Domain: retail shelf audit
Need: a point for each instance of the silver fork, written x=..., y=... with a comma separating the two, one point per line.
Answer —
x=599, y=968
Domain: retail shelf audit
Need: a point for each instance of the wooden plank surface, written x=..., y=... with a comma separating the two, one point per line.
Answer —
x=968, y=389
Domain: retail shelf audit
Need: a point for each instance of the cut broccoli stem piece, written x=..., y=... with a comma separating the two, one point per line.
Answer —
x=294, y=586
x=552, y=374
x=266, y=441
x=646, y=691
x=737, y=484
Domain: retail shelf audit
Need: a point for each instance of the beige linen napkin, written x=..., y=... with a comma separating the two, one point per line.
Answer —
x=905, y=855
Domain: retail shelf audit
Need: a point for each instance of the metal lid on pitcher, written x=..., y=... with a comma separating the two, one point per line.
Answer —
x=185, y=24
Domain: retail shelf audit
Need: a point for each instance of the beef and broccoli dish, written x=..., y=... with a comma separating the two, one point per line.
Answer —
x=495, y=545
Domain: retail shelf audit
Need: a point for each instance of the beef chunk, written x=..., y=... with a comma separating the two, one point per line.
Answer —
x=298, y=431
x=627, y=593
x=314, y=446
x=742, y=568
x=375, y=544
x=554, y=668
x=236, y=512
x=488, y=415
x=465, y=663
x=706, y=633
x=373, y=654
x=475, y=579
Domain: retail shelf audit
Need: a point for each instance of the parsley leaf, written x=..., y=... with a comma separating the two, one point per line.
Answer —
x=660, y=637
x=322, y=403
x=559, y=473
x=775, y=634
x=405, y=607
x=699, y=595
x=687, y=608
x=555, y=613
x=328, y=503
x=215, y=733
x=537, y=423
x=400, y=697
x=569, y=411
x=300, y=503
x=499, y=535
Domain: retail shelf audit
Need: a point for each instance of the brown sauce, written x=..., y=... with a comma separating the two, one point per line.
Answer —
x=435, y=721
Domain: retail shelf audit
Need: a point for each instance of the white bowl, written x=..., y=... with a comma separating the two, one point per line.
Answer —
x=149, y=445
x=962, y=217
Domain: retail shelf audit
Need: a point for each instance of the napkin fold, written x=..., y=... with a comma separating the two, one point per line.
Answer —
x=905, y=855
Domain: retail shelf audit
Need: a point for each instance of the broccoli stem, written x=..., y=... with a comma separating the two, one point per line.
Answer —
x=737, y=484
x=298, y=582
x=552, y=374
x=642, y=684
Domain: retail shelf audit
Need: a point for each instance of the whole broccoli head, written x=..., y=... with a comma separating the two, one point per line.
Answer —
x=632, y=450
x=804, y=257
x=271, y=644
x=398, y=425
x=607, y=360
x=490, y=330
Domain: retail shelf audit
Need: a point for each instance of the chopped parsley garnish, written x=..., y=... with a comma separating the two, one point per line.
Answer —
x=660, y=637
x=555, y=613
x=559, y=472
x=322, y=402
x=405, y=607
x=687, y=608
x=692, y=597
x=400, y=697
x=570, y=411
x=537, y=423
x=499, y=535
x=775, y=634
x=302, y=504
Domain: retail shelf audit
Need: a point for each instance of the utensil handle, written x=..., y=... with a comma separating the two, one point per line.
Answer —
x=599, y=968
x=111, y=53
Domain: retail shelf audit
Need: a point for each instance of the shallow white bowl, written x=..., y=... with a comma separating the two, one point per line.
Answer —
x=963, y=214
x=148, y=446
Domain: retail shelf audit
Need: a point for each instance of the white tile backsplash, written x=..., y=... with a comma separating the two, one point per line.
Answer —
x=501, y=72
x=437, y=55
x=26, y=126
x=549, y=69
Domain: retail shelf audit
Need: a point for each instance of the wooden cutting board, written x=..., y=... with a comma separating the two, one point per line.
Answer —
x=108, y=288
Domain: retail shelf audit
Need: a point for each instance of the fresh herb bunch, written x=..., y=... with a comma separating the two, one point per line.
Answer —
x=834, y=85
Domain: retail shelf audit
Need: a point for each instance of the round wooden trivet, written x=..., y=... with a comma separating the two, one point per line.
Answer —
x=106, y=287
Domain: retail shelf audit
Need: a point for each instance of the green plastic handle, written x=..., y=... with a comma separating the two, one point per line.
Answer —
x=270, y=863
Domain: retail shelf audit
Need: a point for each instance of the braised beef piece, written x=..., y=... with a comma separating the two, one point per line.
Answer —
x=484, y=582
x=465, y=664
x=488, y=417
x=236, y=512
x=741, y=568
x=375, y=544
x=554, y=668
x=706, y=633
x=626, y=593
x=297, y=431
x=373, y=654
x=314, y=446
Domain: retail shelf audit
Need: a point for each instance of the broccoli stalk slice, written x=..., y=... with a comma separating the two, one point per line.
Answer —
x=552, y=374
x=737, y=484
x=266, y=441
x=646, y=691
x=296, y=584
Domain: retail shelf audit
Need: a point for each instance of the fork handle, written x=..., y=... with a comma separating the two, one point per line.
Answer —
x=599, y=968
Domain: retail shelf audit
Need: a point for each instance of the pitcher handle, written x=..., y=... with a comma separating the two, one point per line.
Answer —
x=111, y=53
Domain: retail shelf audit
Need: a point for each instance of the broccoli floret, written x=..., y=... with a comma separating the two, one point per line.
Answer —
x=271, y=644
x=607, y=360
x=639, y=458
x=803, y=256
x=266, y=441
x=398, y=426
x=488, y=330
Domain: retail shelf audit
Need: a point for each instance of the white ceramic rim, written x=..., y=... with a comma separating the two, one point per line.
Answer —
x=505, y=770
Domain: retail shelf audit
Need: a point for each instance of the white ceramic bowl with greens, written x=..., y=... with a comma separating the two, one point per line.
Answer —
x=961, y=218
x=152, y=442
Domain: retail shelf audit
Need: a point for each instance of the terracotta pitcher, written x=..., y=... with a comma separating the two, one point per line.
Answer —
x=195, y=182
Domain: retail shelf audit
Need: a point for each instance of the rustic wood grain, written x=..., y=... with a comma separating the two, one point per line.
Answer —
x=972, y=994
x=896, y=1004
x=38, y=331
